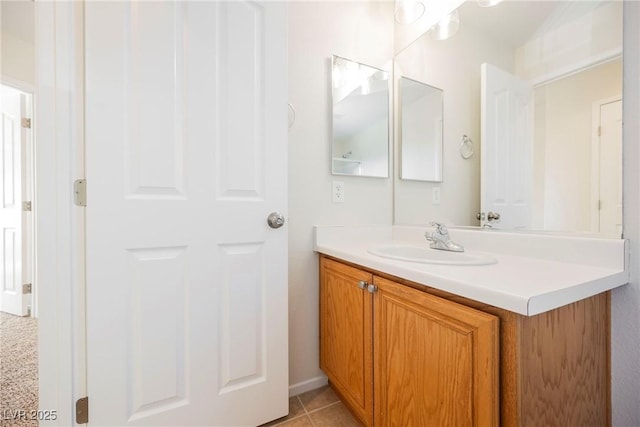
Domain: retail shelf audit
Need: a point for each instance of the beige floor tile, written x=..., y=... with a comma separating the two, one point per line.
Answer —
x=334, y=416
x=298, y=422
x=319, y=398
x=295, y=410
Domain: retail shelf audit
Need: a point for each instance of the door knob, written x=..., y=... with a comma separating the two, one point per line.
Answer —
x=493, y=216
x=275, y=220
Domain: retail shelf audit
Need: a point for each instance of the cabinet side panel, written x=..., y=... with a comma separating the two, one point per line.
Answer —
x=565, y=360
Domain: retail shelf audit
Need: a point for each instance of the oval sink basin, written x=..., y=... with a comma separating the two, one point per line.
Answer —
x=426, y=255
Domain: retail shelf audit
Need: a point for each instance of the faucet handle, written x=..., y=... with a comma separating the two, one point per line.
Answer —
x=440, y=228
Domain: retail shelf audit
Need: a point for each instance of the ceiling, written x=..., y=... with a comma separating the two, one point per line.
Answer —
x=514, y=22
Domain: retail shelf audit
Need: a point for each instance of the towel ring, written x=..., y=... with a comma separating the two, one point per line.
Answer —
x=466, y=147
x=292, y=115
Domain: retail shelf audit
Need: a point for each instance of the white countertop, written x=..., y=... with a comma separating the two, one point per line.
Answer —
x=534, y=273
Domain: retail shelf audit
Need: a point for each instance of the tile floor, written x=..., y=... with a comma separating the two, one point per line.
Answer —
x=316, y=408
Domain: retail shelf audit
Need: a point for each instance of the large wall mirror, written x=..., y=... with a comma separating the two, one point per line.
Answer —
x=360, y=99
x=537, y=87
x=420, y=134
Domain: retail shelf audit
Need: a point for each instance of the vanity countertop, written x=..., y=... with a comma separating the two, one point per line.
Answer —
x=534, y=273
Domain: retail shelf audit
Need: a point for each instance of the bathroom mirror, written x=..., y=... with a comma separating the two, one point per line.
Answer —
x=569, y=177
x=360, y=100
x=420, y=134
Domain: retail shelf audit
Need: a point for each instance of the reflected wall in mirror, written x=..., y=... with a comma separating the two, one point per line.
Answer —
x=568, y=178
x=420, y=133
x=360, y=99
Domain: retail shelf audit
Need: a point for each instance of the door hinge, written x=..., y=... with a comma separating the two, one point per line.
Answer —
x=82, y=410
x=26, y=206
x=80, y=192
x=26, y=288
x=26, y=123
x=599, y=130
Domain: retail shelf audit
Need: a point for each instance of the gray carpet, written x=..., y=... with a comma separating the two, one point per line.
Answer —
x=18, y=370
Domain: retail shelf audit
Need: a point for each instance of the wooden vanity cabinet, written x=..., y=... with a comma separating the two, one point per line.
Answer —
x=407, y=354
x=346, y=335
x=402, y=357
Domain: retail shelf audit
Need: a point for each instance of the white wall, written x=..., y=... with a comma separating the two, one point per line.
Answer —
x=362, y=32
x=17, y=52
x=625, y=301
x=421, y=153
x=460, y=80
x=370, y=147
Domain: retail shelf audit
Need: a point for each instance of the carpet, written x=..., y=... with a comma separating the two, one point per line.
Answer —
x=18, y=371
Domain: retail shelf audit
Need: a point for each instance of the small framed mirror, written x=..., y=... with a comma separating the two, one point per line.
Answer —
x=360, y=100
x=421, y=129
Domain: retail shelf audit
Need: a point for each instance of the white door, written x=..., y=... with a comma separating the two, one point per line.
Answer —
x=610, y=168
x=14, y=141
x=507, y=148
x=186, y=155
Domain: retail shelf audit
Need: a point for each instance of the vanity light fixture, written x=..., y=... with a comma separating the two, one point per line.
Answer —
x=488, y=3
x=446, y=27
x=408, y=11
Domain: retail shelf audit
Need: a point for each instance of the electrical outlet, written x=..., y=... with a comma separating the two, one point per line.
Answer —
x=435, y=195
x=337, y=192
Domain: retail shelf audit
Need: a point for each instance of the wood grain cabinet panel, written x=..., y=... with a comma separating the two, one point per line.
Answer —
x=565, y=366
x=436, y=361
x=411, y=355
x=345, y=335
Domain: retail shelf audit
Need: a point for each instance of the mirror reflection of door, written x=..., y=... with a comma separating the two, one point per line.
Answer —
x=506, y=156
x=607, y=168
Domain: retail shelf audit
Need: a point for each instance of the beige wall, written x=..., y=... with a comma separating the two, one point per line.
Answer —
x=362, y=32
x=564, y=134
x=17, y=41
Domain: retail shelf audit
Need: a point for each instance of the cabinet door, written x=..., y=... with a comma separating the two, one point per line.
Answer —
x=436, y=360
x=345, y=335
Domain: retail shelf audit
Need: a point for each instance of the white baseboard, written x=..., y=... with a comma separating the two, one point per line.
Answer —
x=307, y=385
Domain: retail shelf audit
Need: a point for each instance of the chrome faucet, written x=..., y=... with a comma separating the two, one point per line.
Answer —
x=440, y=239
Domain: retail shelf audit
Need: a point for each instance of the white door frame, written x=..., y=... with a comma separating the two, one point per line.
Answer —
x=59, y=161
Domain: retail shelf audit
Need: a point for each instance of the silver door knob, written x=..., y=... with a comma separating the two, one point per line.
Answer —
x=275, y=220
